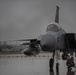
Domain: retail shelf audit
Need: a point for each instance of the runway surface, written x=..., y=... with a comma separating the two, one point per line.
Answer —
x=18, y=64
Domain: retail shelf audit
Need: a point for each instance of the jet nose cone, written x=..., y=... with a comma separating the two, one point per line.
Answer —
x=48, y=42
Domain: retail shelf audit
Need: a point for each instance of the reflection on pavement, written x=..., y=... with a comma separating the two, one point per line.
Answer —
x=52, y=72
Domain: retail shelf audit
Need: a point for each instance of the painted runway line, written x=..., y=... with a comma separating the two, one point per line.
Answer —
x=25, y=56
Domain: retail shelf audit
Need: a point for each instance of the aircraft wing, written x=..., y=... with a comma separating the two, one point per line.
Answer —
x=23, y=40
x=31, y=41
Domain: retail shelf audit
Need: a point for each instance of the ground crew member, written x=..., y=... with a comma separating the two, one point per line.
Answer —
x=70, y=63
x=70, y=73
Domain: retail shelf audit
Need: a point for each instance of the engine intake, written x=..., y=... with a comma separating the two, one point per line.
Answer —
x=31, y=51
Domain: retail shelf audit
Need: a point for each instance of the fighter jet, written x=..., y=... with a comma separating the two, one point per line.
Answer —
x=54, y=38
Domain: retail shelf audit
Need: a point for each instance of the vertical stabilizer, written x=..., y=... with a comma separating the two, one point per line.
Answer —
x=57, y=15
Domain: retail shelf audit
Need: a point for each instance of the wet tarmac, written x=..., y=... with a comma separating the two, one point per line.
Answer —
x=20, y=65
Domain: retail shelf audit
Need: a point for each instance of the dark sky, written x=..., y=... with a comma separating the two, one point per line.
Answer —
x=22, y=19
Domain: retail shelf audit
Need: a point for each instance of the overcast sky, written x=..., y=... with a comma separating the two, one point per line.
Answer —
x=22, y=19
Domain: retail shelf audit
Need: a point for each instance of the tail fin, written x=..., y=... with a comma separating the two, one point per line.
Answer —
x=57, y=15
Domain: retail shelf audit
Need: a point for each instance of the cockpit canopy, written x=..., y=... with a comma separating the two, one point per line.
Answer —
x=52, y=27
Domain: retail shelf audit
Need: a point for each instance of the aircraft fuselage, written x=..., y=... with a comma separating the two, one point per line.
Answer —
x=53, y=39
